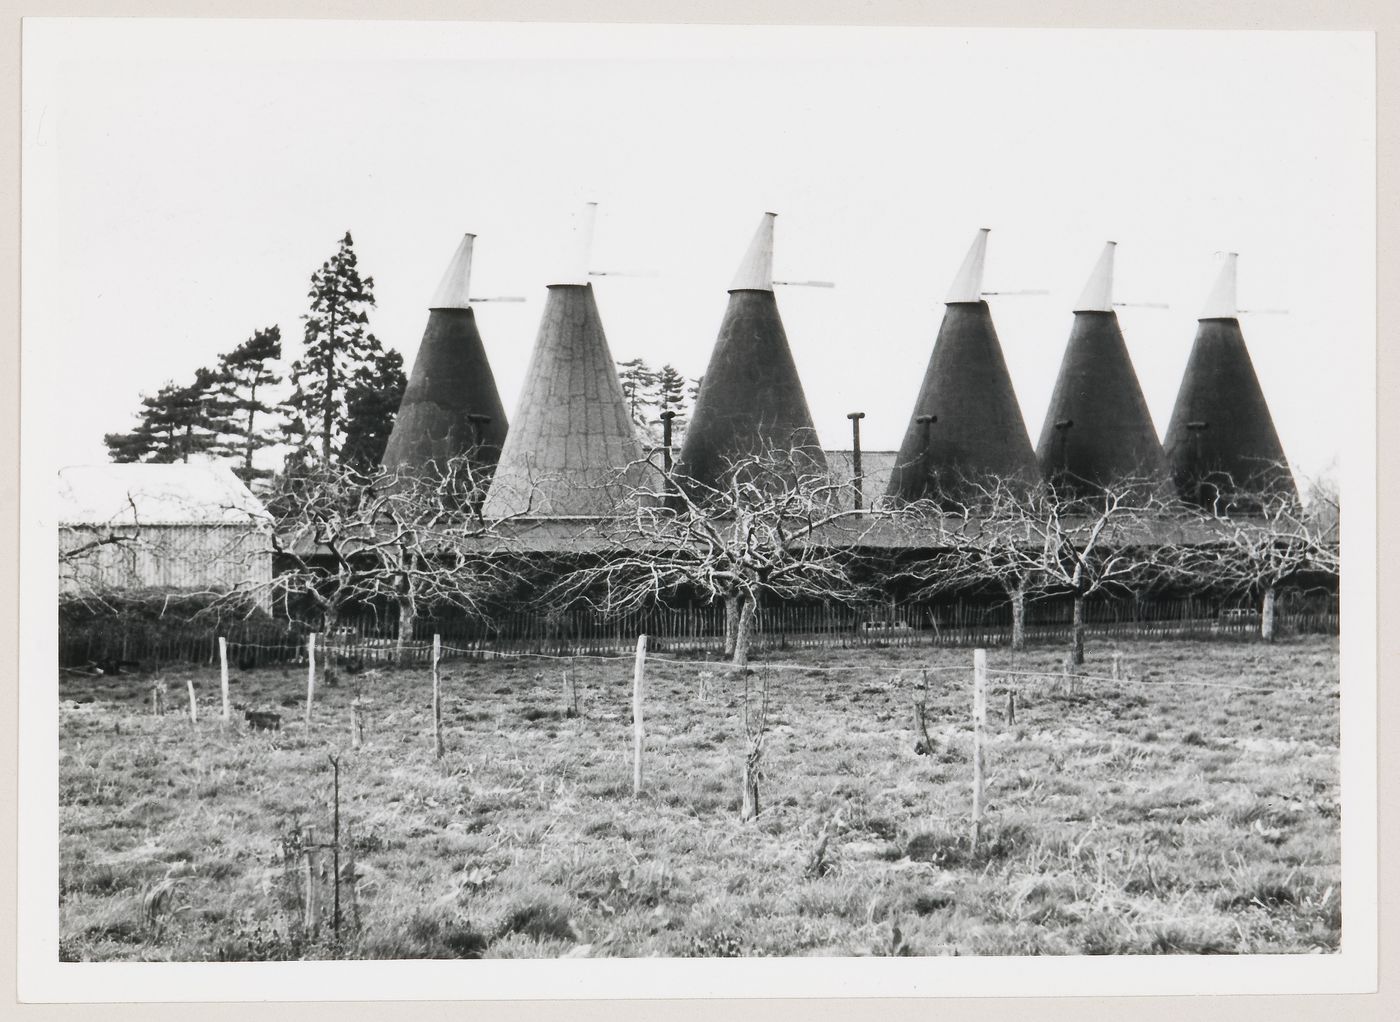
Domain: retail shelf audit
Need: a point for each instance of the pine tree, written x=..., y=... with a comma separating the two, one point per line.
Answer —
x=637, y=378
x=240, y=392
x=670, y=390
x=337, y=348
x=177, y=421
x=372, y=402
x=669, y=396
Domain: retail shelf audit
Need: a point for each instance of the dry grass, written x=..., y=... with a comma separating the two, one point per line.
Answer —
x=1161, y=817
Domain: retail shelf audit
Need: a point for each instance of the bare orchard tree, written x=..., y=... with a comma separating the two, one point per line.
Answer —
x=1263, y=543
x=345, y=538
x=774, y=528
x=425, y=545
x=1088, y=544
x=991, y=537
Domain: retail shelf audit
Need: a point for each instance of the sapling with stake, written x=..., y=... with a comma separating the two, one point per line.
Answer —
x=755, y=726
x=923, y=744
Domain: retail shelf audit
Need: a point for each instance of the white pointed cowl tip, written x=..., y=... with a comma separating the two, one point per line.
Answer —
x=579, y=251
x=1221, y=302
x=967, y=285
x=1097, y=295
x=756, y=271
x=453, y=289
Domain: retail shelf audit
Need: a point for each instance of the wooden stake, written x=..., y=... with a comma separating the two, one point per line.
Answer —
x=312, y=918
x=570, y=691
x=357, y=723
x=310, y=674
x=335, y=849
x=437, y=698
x=638, y=728
x=979, y=719
x=352, y=886
x=1011, y=709
x=223, y=674
x=194, y=716
x=1117, y=666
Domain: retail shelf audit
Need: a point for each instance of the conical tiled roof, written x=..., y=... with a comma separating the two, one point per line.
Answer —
x=1221, y=438
x=1098, y=430
x=571, y=450
x=451, y=406
x=976, y=433
x=751, y=401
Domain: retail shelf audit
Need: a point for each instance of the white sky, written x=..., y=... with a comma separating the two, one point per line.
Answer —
x=184, y=179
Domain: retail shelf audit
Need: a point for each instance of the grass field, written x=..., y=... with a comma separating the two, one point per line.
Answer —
x=1172, y=814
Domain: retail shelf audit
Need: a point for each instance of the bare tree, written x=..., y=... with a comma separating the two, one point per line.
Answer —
x=348, y=539
x=989, y=538
x=774, y=529
x=1092, y=543
x=426, y=545
x=1262, y=543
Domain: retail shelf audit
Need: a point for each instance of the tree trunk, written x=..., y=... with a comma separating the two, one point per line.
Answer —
x=748, y=809
x=1018, y=618
x=407, y=619
x=1267, y=614
x=1077, y=629
x=330, y=621
x=745, y=632
x=328, y=409
x=731, y=623
x=248, y=445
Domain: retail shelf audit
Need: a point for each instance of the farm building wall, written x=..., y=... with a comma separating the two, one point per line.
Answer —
x=186, y=558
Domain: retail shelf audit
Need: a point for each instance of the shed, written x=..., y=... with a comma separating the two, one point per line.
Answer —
x=181, y=527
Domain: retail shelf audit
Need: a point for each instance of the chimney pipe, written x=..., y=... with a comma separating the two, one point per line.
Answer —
x=857, y=477
x=666, y=418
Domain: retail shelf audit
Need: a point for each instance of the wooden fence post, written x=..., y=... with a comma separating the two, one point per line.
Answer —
x=312, y=919
x=437, y=698
x=1117, y=665
x=223, y=673
x=570, y=690
x=194, y=716
x=357, y=723
x=638, y=728
x=1011, y=709
x=310, y=674
x=979, y=719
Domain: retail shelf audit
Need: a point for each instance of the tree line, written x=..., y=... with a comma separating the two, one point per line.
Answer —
x=341, y=393
x=343, y=390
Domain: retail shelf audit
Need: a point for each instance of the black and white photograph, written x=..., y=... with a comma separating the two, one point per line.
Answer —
x=536, y=510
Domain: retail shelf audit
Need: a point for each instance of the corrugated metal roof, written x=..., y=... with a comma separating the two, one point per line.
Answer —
x=198, y=493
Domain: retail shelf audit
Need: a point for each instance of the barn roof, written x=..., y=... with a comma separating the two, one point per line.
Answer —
x=572, y=449
x=976, y=431
x=1221, y=437
x=1098, y=428
x=751, y=402
x=451, y=406
x=875, y=469
x=198, y=493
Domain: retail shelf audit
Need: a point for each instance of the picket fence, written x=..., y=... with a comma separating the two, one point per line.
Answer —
x=696, y=628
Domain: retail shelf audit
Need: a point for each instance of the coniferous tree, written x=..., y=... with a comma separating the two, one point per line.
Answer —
x=670, y=390
x=240, y=394
x=337, y=348
x=372, y=402
x=638, y=379
x=175, y=422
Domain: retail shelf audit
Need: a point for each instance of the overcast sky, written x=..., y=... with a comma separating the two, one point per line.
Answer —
x=184, y=179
